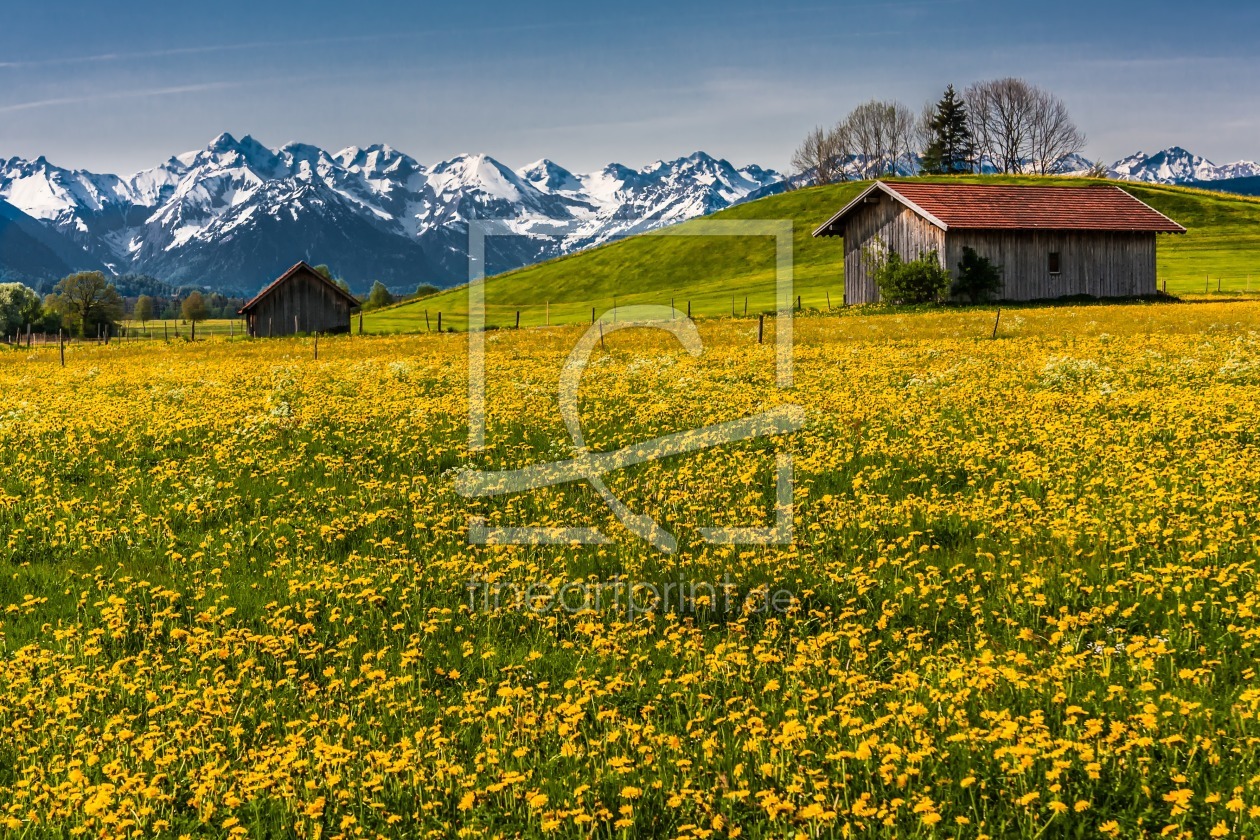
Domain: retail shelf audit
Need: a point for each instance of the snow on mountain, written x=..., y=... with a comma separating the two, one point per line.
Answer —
x=32, y=252
x=1074, y=164
x=191, y=218
x=549, y=177
x=236, y=213
x=1175, y=165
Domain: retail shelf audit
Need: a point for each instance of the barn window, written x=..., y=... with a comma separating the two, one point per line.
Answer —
x=1054, y=262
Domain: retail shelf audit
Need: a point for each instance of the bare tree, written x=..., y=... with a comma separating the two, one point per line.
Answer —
x=1018, y=127
x=1001, y=112
x=822, y=153
x=1052, y=136
x=904, y=125
x=881, y=134
x=923, y=131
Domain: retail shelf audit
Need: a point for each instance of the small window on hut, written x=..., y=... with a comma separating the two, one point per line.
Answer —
x=1054, y=262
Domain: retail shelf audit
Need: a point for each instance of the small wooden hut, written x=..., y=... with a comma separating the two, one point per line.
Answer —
x=300, y=300
x=1051, y=241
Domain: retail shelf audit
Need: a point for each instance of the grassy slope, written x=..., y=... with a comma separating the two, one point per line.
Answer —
x=1224, y=241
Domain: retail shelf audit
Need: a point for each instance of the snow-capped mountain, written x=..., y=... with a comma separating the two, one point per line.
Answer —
x=233, y=215
x=1178, y=166
x=31, y=251
x=236, y=213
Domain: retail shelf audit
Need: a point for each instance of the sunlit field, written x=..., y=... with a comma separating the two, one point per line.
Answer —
x=239, y=598
x=1218, y=258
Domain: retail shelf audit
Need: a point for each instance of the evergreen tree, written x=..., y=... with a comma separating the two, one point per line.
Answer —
x=951, y=149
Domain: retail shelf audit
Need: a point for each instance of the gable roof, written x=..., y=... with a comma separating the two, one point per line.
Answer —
x=1008, y=207
x=301, y=266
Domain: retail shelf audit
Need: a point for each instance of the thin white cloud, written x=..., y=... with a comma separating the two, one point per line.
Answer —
x=198, y=50
x=120, y=94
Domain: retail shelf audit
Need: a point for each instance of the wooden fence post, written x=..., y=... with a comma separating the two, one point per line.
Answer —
x=592, y=314
x=518, y=319
x=317, y=346
x=601, y=336
x=193, y=332
x=829, y=300
x=761, y=328
x=689, y=310
x=360, y=322
x=439, y=322
x=426, y=321
x=165, y=335
x=996, y=321
x=295, y=324
x=745, y=305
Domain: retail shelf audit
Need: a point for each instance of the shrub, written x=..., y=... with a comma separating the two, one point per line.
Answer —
x=379, y=296
x=978, y=278
x=921, y=280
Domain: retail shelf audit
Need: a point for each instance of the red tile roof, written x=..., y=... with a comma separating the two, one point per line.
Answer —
x=300, y=266
x=1004, y=207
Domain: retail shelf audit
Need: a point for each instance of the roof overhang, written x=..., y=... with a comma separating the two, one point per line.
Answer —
x=833, y=226
x=1180, y=227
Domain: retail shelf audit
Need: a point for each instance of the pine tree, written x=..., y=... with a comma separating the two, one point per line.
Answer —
x=952, y=148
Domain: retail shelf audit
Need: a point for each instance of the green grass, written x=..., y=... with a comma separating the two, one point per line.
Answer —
x=715, y=275
x=159, y=329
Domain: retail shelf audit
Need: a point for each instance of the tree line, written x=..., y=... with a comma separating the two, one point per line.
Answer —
x=1004, y=125
x=87, y=303
x=379, y=294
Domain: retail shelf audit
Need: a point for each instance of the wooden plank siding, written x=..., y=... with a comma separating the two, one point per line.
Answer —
x=1097, y=263
x=898, y=228
x=316, y=306
x=1051, y=241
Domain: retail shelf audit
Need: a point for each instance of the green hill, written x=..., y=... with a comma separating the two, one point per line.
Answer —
x=717, y=274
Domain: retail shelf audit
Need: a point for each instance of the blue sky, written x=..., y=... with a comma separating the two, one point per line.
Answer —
x=93, y=85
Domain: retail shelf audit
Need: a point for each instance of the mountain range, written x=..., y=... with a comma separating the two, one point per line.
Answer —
x=233, y=215
x=237, y=213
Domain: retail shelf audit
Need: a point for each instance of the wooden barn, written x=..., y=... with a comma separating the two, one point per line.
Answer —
x=1051, y=241
x=300, y=300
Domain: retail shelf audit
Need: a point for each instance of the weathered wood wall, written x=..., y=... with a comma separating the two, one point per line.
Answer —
x=316, y=307
x=1101, y=264
x=897, y=227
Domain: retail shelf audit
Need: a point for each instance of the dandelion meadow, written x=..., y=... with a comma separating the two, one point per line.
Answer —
x=239, y=596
